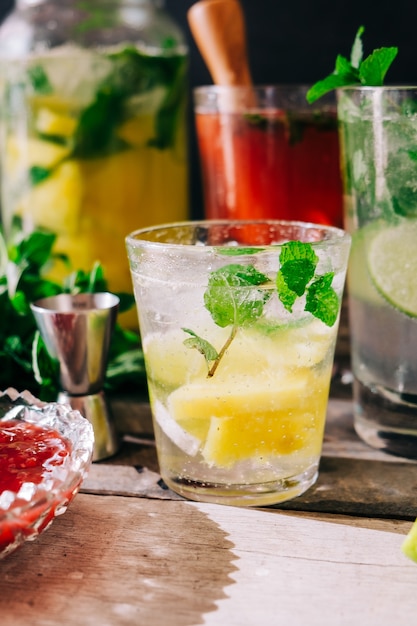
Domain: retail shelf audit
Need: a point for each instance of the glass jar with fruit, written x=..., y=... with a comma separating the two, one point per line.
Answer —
x=93, y=126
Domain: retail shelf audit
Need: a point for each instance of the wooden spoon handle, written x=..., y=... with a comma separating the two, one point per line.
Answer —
x=218, y=27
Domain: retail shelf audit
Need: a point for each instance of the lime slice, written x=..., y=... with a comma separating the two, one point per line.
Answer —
x=360, y=284
x=409, y=545
x=392, y=263
x=183, y=440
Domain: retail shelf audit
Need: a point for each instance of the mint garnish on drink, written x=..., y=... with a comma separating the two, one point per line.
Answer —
x=236, y=295
x=370, y=71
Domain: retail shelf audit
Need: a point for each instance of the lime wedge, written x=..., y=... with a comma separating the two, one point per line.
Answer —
x=409, y=545
x=392, y=264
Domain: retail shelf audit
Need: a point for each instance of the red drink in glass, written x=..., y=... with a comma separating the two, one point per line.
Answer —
x=267, y=153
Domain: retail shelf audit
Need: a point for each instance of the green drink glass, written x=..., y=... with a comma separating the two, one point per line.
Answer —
x=239, y=322
x=378, y=132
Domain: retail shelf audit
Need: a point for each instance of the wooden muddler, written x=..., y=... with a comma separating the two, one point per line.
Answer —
x=218, y=27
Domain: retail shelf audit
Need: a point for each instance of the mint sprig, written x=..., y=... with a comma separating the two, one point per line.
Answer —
x=232, y=301
x=24, y=360
x=370, y=71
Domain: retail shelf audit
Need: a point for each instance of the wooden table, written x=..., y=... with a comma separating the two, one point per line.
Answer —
x=130, y=552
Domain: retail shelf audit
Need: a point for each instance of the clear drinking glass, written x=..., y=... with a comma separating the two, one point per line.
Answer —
x=266, y=153
x=93, y=109
x=378, y=127
x=238, y=322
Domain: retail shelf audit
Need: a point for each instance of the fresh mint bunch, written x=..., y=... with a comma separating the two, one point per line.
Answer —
x=232, y=300
x=370, y=71
x=24, y=361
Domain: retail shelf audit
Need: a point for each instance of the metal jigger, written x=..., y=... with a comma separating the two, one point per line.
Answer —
x=77, y=330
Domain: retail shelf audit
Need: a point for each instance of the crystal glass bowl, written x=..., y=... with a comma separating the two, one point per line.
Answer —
x=29, y=508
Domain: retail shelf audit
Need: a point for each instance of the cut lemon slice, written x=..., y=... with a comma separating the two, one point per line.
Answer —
x=409, y=545
x=392, y=263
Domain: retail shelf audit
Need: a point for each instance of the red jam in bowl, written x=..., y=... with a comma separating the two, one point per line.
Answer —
x=29, y=456
x=45, y=454
x=28, y=453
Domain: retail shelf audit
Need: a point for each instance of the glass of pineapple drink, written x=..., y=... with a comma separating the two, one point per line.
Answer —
x=378, y=131
x=238, y=323
x=94, y=145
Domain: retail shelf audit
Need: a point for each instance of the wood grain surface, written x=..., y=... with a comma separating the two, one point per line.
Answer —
x=129, y=552
x=113, y=560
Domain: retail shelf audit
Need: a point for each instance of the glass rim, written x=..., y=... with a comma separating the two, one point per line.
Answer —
x=84, y=302
x=369, y=88
x=133, y=239
x=280, y=95
x=260, y=86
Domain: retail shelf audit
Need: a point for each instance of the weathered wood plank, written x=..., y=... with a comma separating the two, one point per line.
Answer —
x=116, y=561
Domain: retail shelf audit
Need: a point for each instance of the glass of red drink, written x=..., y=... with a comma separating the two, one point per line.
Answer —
x=267, y=154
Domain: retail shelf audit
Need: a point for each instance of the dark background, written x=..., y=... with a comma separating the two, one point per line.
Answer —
x=296, y=41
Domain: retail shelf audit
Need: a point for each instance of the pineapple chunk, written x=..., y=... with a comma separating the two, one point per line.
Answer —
x=55, y=203
x=137, y=131
x=248, y=395
x=26, y=153
x=260, y=435
x=253, y=416
x=51, y=123
x=169, y=362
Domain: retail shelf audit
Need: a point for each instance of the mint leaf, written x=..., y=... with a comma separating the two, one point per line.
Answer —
x=32, y=252
x=356, y=54
x=94, y=135
x=322, y=300
x=298, y=262
x=331, y=82
x=402, y=189
x=39, y=80
x=37, y=174
x=204, y=347
x=345, y=69
x=175, y=72
x=230, y=297
x=293, y=250
x=373, y=69
x=358, y=71
x=256, y=119
x=19, y=302
x=45, y=369
x=285, y=294
x=297, y=274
